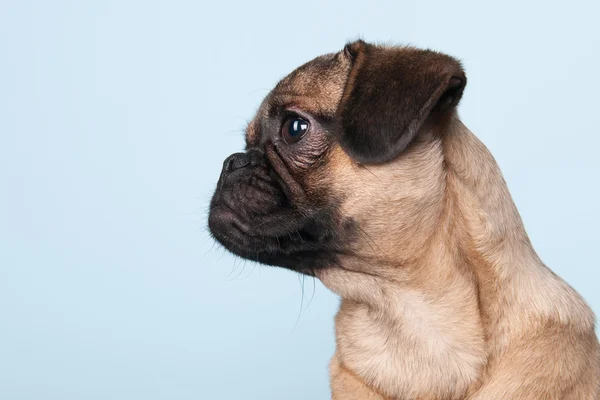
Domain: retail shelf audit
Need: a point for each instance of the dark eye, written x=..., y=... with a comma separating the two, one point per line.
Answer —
x=294, y=129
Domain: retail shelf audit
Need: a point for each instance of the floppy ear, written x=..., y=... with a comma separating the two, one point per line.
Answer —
x=389, y=94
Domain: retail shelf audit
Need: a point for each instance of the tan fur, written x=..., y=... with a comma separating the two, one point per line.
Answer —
x=451, y=301
x=315, y=91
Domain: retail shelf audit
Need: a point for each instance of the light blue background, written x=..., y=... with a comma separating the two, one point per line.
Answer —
x=115, y=117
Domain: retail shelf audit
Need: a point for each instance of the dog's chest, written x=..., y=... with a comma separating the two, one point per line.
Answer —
x=426, y=353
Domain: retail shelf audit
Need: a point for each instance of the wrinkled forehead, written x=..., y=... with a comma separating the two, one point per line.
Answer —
x=314, y=88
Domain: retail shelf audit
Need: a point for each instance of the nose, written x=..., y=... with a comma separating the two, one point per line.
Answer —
x=240, y=162
x=235, y=161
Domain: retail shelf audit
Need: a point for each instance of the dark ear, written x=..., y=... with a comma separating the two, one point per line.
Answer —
x=389, y=94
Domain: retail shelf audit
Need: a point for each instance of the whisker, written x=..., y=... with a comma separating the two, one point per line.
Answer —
x=247, y=276
x=372, y=241
x=211, y=249
x=371, y=172
x=312, y=296
x=301, y=303
x=222, y=254
x=235, y=260
x=238, y=275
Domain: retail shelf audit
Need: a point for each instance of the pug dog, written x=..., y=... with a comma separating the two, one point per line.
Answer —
x=358, y=171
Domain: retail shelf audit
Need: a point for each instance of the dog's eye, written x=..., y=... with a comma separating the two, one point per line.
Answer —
x=294, y=129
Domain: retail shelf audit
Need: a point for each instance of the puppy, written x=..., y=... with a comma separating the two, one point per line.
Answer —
x=358, y=171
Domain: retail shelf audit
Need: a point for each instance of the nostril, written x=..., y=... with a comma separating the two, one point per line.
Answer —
x=236, y=161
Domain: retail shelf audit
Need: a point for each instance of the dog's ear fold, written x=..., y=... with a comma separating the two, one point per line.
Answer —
x=389, y=94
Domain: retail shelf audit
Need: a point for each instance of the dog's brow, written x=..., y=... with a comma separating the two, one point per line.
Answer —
x=301, y=102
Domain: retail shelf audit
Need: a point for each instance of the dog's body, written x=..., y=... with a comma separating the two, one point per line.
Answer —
x=391, y=201
x=473, y=313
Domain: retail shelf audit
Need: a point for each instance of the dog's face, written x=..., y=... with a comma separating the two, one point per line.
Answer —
x=338, y=158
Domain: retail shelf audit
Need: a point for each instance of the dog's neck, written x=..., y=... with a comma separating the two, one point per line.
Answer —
x=415, y=332
x=427, y=328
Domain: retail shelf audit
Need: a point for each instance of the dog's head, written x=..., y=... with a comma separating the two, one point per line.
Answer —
x=341, y=158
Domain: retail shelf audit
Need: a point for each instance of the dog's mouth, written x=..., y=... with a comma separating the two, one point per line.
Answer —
x=255, y=215
x=303, y=249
